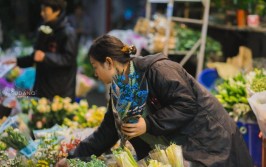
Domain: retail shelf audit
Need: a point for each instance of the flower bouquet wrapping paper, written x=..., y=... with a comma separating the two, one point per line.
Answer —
x=258, y=105
x=15, y=134
x=128, y=99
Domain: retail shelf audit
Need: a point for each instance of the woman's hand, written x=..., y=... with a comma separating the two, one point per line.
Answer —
x=134, y=129
x=62, y=163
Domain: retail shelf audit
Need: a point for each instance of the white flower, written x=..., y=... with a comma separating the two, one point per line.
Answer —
x=5, y=135
x=16, y=130
x=46, y=29
x=38, y=154
x=84, y=103
x=66, y=100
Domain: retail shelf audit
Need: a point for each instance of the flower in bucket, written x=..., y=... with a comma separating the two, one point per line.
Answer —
x=86, y=117
x=256, y=81
x=233, y=95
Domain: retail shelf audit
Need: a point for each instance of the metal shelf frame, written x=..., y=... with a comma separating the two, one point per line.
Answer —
x=200, y=44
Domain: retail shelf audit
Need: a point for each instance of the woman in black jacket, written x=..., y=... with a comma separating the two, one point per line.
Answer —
x=177, y=109
x=55, y=53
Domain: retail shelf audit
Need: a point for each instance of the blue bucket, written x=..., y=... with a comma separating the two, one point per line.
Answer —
x=208, y=77
x=250, y=132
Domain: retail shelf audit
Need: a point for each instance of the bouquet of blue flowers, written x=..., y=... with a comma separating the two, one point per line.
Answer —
x=129, y=95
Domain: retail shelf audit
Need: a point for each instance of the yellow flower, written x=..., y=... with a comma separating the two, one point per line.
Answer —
x=34, y=102
x=55, y=107
x=57, y=99
x=60, y=106
x=66, y=100
x=70, y=108
x=48, y=109
x=75, y=106
x=83, y=103
x=41, y=108
x=67, y=106
x=75, y=118
x=102, y=109
x=88, y=115
x=42, y=163
x=43, y=101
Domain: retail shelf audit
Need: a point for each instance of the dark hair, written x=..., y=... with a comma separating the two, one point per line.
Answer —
x=110, y=46
x=55, y=4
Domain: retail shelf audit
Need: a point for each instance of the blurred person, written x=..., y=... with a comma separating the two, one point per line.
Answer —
x=96, y=11
x=54, y=55
x=81, y=22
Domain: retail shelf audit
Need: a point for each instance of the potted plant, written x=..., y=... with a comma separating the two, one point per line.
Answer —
x=242, y=7
x=256, y=9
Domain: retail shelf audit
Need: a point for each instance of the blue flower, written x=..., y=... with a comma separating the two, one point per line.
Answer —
x=129, y=94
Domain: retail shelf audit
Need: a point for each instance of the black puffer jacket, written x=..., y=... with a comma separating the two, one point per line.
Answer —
x=181, y=111
x=56, y=75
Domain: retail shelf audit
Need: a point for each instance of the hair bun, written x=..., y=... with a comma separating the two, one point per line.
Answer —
x=129, y=50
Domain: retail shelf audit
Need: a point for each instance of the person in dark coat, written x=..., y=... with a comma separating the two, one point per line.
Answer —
x=55, y=53
x=178, y=109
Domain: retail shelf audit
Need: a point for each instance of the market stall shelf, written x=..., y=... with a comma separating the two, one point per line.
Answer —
x=204, y=22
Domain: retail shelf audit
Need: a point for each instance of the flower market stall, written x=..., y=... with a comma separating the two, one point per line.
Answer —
x=236, y=93
x=34, y=137
x=46, y=131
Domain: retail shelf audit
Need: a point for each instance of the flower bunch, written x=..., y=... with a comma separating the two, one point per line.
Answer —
x=233, y=96
x=124, y=157
x=256, y=81
x=44, y=113
x=129, y=95
x=48, y=151
x=93, y=163
x=18, y=161
x=14, y=138
x=65, y=147
x=85, y=117
x=233, y=92
x=3, y=146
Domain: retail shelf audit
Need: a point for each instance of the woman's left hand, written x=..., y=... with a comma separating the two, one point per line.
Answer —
x=134, y=129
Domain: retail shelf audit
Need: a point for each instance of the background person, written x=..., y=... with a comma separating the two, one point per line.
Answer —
x=55, y=53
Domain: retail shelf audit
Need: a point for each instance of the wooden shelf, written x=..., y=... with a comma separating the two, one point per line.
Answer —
x=236, y=28
x=180, y=53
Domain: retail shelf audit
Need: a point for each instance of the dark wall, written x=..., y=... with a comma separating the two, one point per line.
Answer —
x=232, y=39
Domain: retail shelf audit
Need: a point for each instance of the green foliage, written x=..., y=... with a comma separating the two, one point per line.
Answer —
x=14, y=138
x=93, y=163
x=232, y=94
x=187, y=37
x=258, y=83
x=83, y=61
